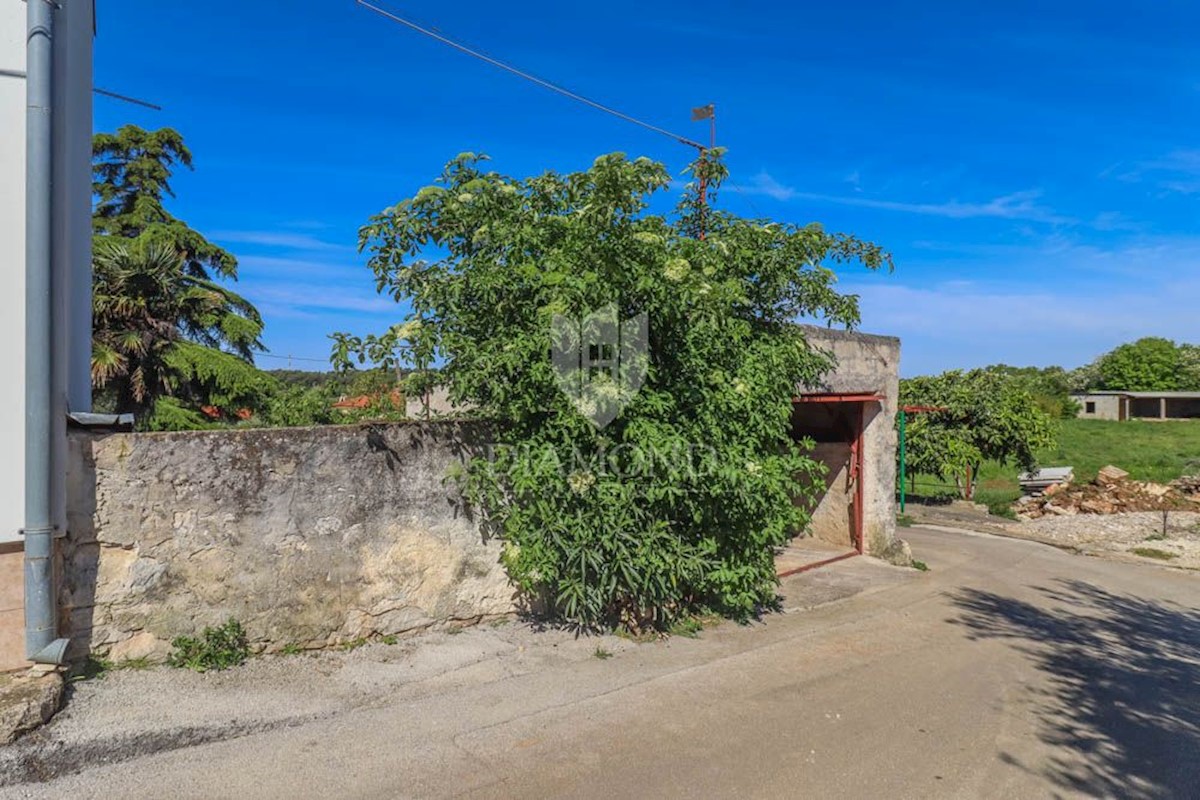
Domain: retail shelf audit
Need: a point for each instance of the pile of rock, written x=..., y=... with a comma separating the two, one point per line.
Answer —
x=1188, y=484
x=1111, y=493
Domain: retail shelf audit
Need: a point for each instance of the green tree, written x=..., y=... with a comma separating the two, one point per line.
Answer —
x=131, y=177
x=983, y=414
x=678, y=502
x=1151, y=364
x=141, y=349
x=1050, y=388
x=166, y=324
x=1189, y=368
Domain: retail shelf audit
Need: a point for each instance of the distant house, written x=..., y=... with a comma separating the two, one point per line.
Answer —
x=362, y=402
x=1138, y=405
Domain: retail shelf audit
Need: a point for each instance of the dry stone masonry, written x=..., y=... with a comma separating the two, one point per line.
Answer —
x=308, y=537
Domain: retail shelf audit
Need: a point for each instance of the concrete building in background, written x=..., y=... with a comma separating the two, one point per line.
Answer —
x=1138, y=405
x=71, y=111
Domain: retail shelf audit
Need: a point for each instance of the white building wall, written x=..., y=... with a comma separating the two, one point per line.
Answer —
x=1102, y=406
x=74, y=27
x=12, y=264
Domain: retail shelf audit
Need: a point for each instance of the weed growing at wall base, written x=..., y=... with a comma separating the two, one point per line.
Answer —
x=215, y=649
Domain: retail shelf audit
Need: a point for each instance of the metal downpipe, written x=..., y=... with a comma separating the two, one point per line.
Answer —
x=42, y=644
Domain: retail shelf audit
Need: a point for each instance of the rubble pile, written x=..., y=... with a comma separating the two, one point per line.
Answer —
x=1188, y=484
x=1112, y=492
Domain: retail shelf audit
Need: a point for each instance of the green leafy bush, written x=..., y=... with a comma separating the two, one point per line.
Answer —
x=676, y=504
x=215, y=649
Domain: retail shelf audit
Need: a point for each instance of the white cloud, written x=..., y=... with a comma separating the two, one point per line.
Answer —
x=1016, y=206
x=1066, y=304
x=764, y=184
x=285, y=239
x=283, y=268
x=1177, y=172
x=300, y=299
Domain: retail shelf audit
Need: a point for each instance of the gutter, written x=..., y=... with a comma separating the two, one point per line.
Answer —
x=42, y=643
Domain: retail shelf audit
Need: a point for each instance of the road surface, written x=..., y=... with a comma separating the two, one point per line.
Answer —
x=1010, y=669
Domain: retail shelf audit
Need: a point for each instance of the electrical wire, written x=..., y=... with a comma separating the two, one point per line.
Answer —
x=527, y=76
x=126, y=98
x=745, y=195
x=18, y=73
x=291, y=358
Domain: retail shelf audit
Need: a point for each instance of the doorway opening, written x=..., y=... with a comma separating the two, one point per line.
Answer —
x=835, y=423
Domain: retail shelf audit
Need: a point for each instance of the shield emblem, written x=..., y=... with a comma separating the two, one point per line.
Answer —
x=599, y=360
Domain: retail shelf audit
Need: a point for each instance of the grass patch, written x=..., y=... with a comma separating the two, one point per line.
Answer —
x=1002, y=508
x=1153, y=552
x=602, y=654
x=96, y=667
x=904, y=521
x=688, y=628
x=1148, y=451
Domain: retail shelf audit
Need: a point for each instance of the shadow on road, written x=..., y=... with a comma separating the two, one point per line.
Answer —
x=1124, y=685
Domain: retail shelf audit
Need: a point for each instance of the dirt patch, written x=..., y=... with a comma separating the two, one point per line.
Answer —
x=1137, y=535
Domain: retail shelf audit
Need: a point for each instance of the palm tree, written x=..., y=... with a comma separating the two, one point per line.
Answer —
x=161, y=331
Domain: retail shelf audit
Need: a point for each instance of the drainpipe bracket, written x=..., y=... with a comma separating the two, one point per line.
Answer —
x=55, y=531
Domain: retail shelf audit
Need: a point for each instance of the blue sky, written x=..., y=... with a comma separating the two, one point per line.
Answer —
x=1034, y=167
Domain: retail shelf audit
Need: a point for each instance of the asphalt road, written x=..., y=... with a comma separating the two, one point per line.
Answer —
x=1010, y=669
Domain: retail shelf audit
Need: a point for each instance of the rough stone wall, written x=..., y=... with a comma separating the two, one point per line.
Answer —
x=869, y=364
x=309, y=536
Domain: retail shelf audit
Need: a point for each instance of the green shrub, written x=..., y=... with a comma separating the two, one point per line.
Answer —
x=215, y=649
x=1001, y=508
x=674, y=502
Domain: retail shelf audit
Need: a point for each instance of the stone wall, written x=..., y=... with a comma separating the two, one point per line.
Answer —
x=318, y=536
x=308, y=537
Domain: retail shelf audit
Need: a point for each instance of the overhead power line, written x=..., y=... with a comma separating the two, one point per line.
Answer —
x=291, y=358
x=126, y=98
x=19, y=73
x=545, y=84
